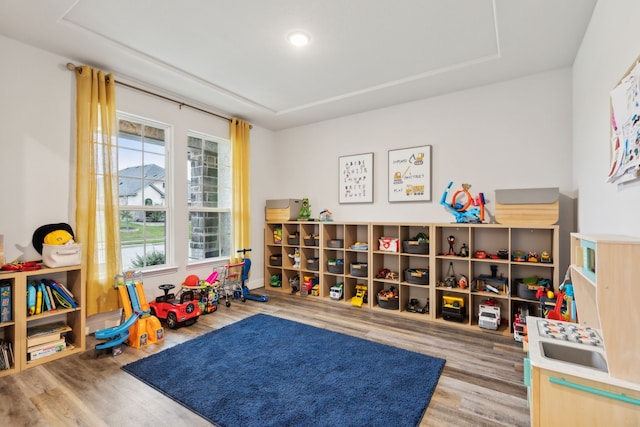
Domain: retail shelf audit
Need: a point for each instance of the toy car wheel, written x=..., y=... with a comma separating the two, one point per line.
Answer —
x=227, y=303
x=172, y=321
x=190, y=308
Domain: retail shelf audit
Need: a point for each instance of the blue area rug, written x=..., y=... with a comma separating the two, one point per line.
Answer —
x=267, y=371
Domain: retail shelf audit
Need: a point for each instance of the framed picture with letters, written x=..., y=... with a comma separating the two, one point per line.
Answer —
x=355, y=178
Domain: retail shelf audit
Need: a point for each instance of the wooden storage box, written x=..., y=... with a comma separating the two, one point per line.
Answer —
x=283, y=209
x=528, y=206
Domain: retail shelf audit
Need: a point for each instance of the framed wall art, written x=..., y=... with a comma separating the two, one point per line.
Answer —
x=410, y=174
x=355, y=178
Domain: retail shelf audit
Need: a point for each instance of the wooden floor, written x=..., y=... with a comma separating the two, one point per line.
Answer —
x=481, y=384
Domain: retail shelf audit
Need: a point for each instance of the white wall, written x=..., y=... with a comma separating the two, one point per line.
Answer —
x=36, y=111
x=37, y=157
x=608, y=49
x=516, y=134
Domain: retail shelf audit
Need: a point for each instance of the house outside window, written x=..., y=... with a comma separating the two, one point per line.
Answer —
x=142, y=166
x=209, y=195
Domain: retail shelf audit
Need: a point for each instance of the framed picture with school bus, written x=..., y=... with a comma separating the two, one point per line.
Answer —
x=410, y=174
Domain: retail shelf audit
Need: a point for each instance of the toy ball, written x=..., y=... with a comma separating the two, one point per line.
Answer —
x=550, y=294
x=192, y=280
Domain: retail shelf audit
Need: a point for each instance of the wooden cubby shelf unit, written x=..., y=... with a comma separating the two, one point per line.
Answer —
x=419, y=271
x=15, y=331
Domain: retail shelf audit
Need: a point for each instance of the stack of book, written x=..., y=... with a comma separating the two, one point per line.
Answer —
x=6, y=355
x=45, y=340
x=48, y=295
x=5, y=302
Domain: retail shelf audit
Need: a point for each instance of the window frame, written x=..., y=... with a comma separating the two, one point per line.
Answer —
x=202, y=209
x=169, y=184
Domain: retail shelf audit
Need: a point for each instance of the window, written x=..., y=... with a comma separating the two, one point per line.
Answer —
x=142, y=166
x=209, y=195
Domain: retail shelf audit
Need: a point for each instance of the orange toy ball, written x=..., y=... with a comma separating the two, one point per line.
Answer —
x=192, y=280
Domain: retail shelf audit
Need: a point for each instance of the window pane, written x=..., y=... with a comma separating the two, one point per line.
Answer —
x=143, y=238
x=203, y=173
x=129, y=162
x=209, y=235
x=142, y=191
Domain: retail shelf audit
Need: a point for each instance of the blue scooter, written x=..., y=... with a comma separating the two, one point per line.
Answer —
x=246, y=293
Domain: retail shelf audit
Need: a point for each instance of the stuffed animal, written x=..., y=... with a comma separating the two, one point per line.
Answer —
x=305, y=212
x=296, y=258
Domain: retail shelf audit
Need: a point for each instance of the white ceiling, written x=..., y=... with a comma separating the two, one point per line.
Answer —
x=232, y=57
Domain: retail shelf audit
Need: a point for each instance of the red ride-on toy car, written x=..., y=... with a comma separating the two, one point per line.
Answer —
x=184, y=311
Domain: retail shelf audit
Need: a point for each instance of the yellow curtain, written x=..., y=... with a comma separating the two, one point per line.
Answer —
x=241, y=220
x=97, y=210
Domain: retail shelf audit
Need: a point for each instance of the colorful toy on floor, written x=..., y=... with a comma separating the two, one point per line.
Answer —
x=140, y=328
x=175, y=312
x=202, y=291
x=246, y=293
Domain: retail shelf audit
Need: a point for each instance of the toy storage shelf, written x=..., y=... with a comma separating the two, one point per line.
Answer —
x=15, y=331
x=419, y=269
x=8, y=328
x=279, y=261
x=491, y=275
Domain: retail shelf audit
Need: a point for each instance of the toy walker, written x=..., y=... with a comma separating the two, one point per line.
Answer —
x=246, y=293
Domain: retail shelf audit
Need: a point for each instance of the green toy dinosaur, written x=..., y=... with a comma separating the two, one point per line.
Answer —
x=305, y=212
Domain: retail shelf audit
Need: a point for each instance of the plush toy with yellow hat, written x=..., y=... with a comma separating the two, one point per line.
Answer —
x=58, y=237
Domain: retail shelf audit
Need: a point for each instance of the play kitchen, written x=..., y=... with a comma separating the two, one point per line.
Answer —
x=586, y=373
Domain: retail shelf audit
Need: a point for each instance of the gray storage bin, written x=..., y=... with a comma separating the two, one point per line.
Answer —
x=359, y=269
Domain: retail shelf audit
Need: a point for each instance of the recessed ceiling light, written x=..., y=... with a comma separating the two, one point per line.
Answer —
x=299, y=38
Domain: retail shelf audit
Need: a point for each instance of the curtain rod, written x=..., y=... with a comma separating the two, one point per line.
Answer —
x=72, y=67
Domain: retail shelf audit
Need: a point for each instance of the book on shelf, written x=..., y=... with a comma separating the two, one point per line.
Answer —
x=46, y=349
x=46, y=345
x=5, y=302
x=51, y=299
x=61, y=297
x=6, y=355
x=46, y=338
x=46, y=333
x=66, y=290
x=38, y=300
x=46, y=304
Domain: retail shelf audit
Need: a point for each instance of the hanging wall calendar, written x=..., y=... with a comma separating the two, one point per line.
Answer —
x=410, y=174
x=356, y=178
